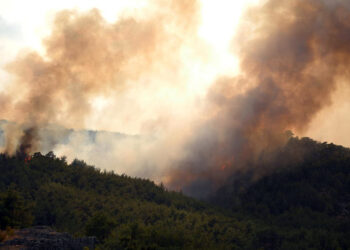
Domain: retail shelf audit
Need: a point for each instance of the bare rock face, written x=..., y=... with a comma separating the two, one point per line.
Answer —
x=42, y=237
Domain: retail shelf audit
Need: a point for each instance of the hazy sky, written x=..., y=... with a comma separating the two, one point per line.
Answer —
x=23, y=25
x=168, y=71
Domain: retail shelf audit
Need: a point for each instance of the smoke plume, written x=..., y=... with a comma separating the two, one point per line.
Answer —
x=292, y=54
x=87, y=57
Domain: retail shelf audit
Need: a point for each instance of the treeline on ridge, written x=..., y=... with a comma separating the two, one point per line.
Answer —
x=302, y=202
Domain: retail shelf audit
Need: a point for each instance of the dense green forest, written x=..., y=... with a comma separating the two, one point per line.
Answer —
x=302, y=193
x=295, y=198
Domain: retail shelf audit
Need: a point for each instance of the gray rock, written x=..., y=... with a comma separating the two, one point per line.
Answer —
x=43, y=237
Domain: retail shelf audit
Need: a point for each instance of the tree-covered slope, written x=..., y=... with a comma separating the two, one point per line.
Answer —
x=297, y=197
x=304, y=192
x=123, y=212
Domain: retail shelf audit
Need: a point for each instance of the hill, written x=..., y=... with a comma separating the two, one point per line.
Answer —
x=54, y=135
x=123, y=212
x=296, y=198
x=302, y=190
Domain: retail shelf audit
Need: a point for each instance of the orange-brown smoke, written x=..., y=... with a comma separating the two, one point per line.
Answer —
x=85, y=56
x=292, y=53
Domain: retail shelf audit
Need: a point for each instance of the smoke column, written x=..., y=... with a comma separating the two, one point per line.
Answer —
x=85, y=57
x=292, y=54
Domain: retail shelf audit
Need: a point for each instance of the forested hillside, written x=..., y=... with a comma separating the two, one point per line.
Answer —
x=122, y=212
x=301, y=202
x=304, y=194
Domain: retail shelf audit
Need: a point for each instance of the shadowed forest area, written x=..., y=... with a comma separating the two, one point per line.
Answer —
x=301, y=202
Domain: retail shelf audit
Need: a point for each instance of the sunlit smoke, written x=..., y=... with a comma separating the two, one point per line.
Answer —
x=292, y=53
x=87, y=57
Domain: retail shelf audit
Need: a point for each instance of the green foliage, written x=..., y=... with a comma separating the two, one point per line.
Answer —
x=100, y=225
x=303, y=194
x=301, y=201
x=122, y=212
x=14, y=212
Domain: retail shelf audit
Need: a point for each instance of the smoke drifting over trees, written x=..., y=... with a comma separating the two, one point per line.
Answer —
x=292, y=54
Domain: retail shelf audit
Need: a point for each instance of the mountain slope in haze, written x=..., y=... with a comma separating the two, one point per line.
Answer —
x=297, y=199
x=54, y=135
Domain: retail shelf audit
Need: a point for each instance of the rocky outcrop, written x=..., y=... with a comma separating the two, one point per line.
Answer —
x=42, y=237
